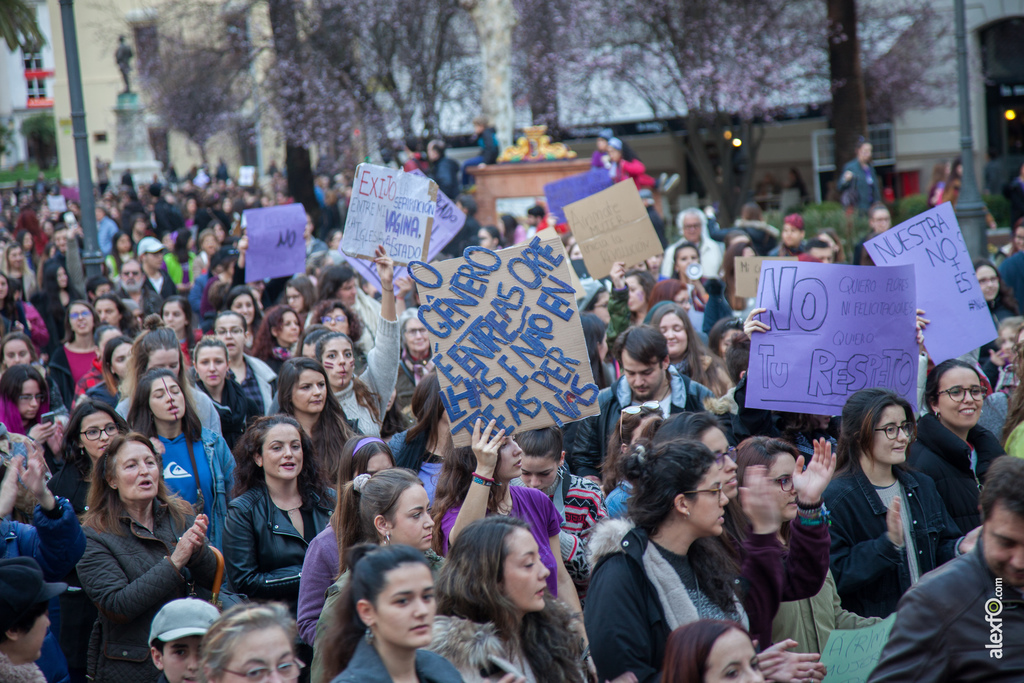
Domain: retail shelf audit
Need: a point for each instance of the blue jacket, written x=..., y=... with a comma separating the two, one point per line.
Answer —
x=222, y=465
x=56, y=545
x=870, y=573
x=366, y=667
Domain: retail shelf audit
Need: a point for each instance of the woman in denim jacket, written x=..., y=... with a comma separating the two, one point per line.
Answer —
x=888, y=525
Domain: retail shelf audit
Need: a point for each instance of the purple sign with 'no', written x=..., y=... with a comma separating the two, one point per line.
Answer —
x=834, y=330
x=276, y=243
x=947, y=288
x=448, y=221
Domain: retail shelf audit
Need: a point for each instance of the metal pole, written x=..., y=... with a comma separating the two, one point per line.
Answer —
x=970, y=210
x=92, y=258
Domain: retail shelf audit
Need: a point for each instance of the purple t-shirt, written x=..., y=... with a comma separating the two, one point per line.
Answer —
x=536, y=509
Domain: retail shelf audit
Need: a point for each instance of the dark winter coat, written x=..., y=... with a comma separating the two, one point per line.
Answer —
x=130, y=577
x=445, y=172
x=870, y=573
x=367, y=667
x=944, y=457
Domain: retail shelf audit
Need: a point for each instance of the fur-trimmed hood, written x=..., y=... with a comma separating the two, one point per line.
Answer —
x=467, y=645
x=724, y=405
x=606, y=539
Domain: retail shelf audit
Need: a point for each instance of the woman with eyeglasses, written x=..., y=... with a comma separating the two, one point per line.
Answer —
x=889, y=526
x=73, y=359
x=337, y=317
x=666, y=571
x=775, y=572
x=951, y=447
x=90, y=430
x=635, y=423
x=808, y=621
x=417, y=360
x=251, y=644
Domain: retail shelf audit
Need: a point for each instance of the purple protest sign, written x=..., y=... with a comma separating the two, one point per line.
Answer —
x=947, y=288
x=276, y=244
x=834, y=330
x=448, y=221
x=561, y=193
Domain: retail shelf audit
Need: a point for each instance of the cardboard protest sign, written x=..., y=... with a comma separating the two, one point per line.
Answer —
x=834, y=330
x=574, y=279
x=748, y=269
x=507, y=340
x=448, y=221
x=947, y=288
x=56, y=203
x=611, y=226
x=850, y=655
x=276, y=243
x=561, y=193
x=392, y=208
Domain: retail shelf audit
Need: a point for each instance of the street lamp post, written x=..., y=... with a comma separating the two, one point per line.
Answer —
x=970, y=210
x=92, y=258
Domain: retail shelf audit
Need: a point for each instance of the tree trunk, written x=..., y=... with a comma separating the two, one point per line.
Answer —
x=494, y=21
x=849, y=111
x=730, y=188
x=298, y=164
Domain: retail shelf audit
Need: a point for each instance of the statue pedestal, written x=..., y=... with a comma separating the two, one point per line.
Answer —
x=132, y=150
x=515, y=187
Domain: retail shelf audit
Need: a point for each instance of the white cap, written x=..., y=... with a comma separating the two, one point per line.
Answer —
x=182, y=618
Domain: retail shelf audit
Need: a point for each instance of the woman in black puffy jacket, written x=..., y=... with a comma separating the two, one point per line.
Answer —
x=951, y=447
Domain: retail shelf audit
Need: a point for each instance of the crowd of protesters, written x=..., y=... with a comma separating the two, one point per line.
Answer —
x=212, y=478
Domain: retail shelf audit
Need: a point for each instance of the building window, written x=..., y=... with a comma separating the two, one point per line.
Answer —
x=36, y=88
x=33, y=61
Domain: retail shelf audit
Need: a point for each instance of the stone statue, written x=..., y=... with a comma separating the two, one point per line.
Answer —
x=124, y=57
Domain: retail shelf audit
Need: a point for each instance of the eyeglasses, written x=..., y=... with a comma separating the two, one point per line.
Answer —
x=729, y=452
x=93, y=433
x=287, y=671
x=717, y=491
x=234, y=331
x=327, y=320
x=82, y=314
x=39, y=398
x=957, y=393
x=785, y=483
x=414, y=333
x=892, y=430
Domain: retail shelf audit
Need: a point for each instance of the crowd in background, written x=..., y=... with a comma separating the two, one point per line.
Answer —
x=178, y=436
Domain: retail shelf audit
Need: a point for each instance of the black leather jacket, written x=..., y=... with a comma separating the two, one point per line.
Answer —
x=263, y=552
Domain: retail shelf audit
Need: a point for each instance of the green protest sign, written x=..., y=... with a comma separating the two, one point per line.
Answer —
x=850, y=655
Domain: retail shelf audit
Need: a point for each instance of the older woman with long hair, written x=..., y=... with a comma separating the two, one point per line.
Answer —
x=304, y=394
x=493, y=601
x=91, y=428
x=198, y=463
x=144, y=548
x=281, y=503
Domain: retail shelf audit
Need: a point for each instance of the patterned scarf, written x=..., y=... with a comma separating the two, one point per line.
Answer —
x=281, y=353
x=419, y=368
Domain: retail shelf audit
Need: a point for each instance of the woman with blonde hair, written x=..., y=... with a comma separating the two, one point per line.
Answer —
x=251, y=643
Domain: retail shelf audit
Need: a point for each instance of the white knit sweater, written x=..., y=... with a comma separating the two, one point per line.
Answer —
x=380, y=375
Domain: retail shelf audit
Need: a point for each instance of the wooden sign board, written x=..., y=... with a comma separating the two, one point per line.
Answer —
x=506, y=337
x=611, y=226
x=392, y=208
x=748, y=270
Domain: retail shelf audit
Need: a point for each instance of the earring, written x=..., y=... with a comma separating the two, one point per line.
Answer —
x=369, y=635
x=387, y=538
